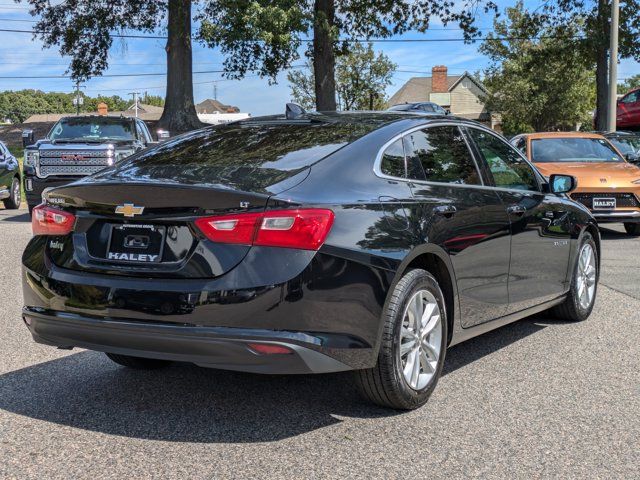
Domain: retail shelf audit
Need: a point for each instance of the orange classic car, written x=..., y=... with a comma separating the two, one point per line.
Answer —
x=608, y=184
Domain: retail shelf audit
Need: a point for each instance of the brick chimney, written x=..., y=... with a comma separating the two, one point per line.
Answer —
x=439, y=79
x=102, y=108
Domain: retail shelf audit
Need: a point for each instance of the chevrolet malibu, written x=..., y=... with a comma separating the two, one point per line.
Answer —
x=309, y=243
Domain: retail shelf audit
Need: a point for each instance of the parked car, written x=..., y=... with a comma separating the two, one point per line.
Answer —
x=10, y=191
x=627, y=143
x=76, y=147
x=628, y=110
x=607, y=184
x=310, y=243
x=419, y=107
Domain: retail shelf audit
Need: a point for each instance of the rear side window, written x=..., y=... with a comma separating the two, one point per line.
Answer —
x=440, y=154
x=393, y=160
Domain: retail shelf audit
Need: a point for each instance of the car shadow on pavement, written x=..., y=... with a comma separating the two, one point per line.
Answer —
x=611, y=234
x=11, y=216
x=185, y=403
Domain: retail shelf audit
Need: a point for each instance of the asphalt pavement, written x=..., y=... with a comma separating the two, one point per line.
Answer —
x=535, y=399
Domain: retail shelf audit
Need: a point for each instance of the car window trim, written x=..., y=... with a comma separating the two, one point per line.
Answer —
x=377, y=170
x=536, y=173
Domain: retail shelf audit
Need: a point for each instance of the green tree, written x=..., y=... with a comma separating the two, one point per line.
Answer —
x=266, y=35
x=362, y=77
x=84, y=30
x=19, y=105
x=536, y=84
x=594, y=18
x=629, y=84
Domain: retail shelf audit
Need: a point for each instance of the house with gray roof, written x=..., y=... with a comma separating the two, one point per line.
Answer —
x=461, y=94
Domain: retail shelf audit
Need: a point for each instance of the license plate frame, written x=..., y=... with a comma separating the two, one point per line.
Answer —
x=119, y=252
x=604, y=203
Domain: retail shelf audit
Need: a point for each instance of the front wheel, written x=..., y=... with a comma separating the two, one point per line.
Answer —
x=584, y=284
x=15, y=197
x=413, y=345
x=632, y=229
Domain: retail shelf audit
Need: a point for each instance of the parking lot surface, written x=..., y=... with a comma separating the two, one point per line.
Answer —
x=538, y=398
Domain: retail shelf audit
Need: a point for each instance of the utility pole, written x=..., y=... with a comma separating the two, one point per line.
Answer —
x=612, y=107
x=135, y=101
x=215, y=90
x=78, y=100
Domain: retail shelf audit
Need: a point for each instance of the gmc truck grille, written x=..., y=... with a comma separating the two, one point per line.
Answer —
x=48, y=170
x=622, y=199
x=73, y=162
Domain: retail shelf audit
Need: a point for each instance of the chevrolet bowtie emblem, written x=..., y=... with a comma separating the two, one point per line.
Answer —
x=129, y=210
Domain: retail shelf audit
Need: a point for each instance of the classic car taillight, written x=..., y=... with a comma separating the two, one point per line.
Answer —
x=46, y=220
x=305, y=229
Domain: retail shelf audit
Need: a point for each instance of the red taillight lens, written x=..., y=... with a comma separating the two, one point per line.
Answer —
x=46, y=220
x=305, y=229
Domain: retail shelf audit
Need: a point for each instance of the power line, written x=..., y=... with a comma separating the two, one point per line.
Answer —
x=117, y=75
x=361, y=40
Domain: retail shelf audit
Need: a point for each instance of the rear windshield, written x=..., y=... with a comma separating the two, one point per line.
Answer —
x=244, y=155
x=88, y=129
x=545, y=150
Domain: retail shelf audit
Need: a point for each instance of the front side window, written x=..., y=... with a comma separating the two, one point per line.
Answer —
x=440, y=154
x=573, y=149
x=392, y=163
x=425, y=107
x=631, y=98
x=508, y=168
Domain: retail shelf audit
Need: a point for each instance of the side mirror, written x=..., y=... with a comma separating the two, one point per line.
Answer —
x=447, y=111
x=27, y=138
x=632, y=157
x=562, y=183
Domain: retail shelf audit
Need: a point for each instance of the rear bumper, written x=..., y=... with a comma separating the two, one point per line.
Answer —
x=215, y=347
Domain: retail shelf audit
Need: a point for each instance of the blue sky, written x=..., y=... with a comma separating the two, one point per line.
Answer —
x=20, y=55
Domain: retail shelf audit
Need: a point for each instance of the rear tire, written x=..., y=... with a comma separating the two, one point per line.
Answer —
x=632, y=229
x=138, y=363
x=408, y=346
x=584, y=281
x=14, y=200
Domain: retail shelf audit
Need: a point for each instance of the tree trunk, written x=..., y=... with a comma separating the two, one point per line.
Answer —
x=602, y=87
x=324, y=59
x=602, y=68
x=179, y=113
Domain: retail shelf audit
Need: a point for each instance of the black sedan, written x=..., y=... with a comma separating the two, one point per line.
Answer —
x=324, y=242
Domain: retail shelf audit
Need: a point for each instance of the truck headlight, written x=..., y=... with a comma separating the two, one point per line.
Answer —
x=31, y=158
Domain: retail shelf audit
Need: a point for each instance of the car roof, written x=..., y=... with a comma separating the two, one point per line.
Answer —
x=539, y=135
x=95, y=116
x=377, y=118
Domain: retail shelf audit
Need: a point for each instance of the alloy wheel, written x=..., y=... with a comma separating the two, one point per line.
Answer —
x=420, y=339
x=586, y=277
x=16, y=193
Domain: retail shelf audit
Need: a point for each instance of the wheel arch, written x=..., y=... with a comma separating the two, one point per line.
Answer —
x=437, y=262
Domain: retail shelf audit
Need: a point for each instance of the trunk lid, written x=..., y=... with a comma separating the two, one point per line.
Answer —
x=147, y=229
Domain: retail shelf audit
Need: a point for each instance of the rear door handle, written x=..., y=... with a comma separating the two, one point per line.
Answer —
x=516, y=210
x=445, y=210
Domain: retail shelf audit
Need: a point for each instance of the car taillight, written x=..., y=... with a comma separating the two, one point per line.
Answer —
x=46, y=220
x=305, y=229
